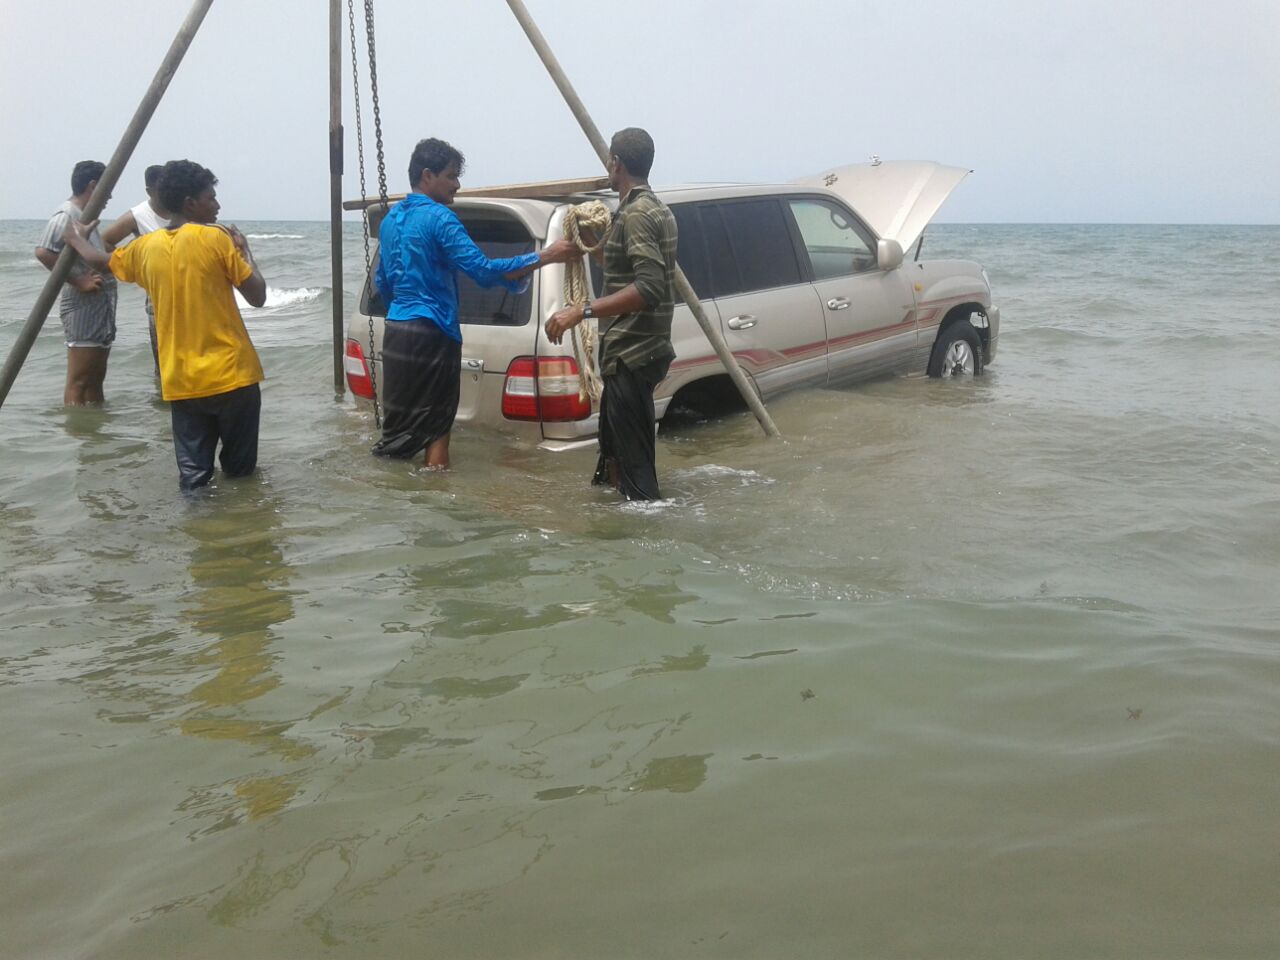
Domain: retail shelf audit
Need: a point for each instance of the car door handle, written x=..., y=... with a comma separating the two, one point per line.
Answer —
x=744, y=322
x=838, y=303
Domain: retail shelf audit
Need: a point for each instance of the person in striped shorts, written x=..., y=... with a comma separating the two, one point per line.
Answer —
x=88, y=304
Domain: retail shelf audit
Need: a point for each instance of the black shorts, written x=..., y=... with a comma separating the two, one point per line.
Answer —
x=422, y=374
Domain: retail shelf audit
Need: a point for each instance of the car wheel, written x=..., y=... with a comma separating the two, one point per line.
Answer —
x=957, y=352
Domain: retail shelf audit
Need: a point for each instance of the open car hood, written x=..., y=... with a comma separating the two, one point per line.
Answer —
x=896, y=198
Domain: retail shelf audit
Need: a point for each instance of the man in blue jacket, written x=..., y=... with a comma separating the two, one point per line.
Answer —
x=422, y=243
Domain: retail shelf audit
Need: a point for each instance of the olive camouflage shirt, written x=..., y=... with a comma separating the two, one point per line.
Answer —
x=640, y=248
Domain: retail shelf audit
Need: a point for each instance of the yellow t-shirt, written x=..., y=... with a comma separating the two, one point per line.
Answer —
x=190, y=273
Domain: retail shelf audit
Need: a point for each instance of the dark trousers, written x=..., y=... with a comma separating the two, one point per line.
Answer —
x=199, y=424
x=626, y=431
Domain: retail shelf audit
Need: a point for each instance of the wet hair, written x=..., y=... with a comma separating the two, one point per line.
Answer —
x=180, y=179
x=84, y=173
x=434, y=155
x=152, y=176
x=634, y=147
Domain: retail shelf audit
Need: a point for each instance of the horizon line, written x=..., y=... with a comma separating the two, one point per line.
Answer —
x=954, y=223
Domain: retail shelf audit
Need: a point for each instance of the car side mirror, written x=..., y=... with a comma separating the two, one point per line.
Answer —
x=888, y=255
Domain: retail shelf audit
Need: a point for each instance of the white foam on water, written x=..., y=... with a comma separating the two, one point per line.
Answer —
x=273, y=236
x=648, y=507
x=283, y=298
x=717, y=471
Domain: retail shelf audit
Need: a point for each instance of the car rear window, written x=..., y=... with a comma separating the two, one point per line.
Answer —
x=494, y=306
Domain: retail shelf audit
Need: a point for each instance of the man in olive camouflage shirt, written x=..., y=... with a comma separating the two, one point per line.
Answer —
x=635, y=319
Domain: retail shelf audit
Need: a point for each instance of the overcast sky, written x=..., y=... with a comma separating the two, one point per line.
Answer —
x=1067, y=111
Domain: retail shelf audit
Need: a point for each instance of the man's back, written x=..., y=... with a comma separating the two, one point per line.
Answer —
x=190, y=274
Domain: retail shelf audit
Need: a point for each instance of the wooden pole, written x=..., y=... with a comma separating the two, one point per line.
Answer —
x=682, y=284
x=132, y=134
x=335, y=188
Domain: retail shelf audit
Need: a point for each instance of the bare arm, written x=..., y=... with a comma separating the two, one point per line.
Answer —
x=627, y=300
x=75, y=237
x=119, y=230
x=254, y=287
x=562, y=251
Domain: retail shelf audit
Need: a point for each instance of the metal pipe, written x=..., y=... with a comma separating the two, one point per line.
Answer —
x=335, y=188
x=132, y=134
x=682, y=284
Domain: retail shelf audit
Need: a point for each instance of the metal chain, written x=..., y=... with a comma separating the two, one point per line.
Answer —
x=355, y=81
x=364, y=216
x=377, y=109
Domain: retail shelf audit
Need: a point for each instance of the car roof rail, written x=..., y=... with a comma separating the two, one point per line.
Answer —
x=539, y=190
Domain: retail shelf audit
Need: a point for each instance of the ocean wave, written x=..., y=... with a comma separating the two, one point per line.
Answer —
x=283, y=298
x=273, y=236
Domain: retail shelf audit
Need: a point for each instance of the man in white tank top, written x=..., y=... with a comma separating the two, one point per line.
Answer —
x=147, y=216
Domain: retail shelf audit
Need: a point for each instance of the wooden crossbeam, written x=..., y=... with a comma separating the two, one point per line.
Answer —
x=528, y=191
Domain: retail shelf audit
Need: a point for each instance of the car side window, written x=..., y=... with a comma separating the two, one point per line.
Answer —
x=691, y=253
x=837, y=244
x=724, y=276
x=597, y=276
x=762, y=251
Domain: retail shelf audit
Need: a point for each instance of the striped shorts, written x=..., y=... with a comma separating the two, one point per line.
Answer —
x=89, y=319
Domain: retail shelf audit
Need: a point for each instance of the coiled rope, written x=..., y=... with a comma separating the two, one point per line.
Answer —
x=594, y=216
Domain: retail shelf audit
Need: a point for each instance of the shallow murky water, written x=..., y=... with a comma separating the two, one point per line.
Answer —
x=959, y=670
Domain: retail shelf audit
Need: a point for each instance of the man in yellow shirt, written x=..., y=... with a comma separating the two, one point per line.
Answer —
x=209, y=370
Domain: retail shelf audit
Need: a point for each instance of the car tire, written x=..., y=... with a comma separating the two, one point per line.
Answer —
x=957, y=352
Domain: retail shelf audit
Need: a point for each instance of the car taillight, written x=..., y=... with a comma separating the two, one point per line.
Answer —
x=543, y=388
x=358, y=378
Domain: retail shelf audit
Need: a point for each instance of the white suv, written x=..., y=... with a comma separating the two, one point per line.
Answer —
x=808, y=281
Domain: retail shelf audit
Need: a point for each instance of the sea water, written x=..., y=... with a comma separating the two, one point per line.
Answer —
x=982, y=668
